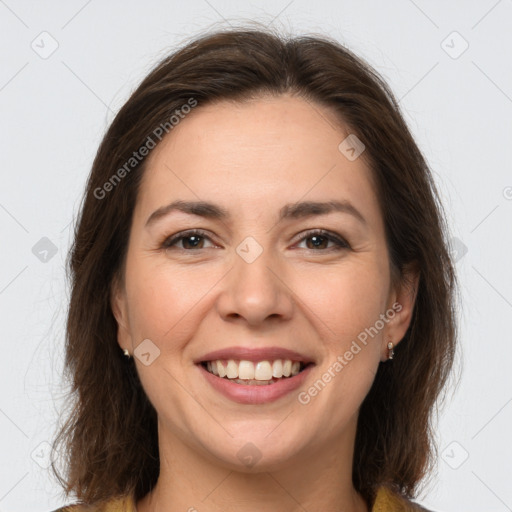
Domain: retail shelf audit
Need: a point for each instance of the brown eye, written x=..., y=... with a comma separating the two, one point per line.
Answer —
x=320, y=240
x=190, y=240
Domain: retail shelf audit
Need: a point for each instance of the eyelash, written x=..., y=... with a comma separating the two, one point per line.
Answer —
x=338, y=241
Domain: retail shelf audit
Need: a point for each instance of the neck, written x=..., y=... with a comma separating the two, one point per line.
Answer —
x=318, y=480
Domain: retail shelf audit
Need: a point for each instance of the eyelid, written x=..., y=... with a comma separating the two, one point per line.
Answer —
x=339, y=241
x=171, y=240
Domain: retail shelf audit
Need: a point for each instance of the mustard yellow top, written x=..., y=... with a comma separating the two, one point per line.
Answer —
x=385, y=501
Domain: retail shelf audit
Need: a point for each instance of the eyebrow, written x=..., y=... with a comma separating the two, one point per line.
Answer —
x=288, y=211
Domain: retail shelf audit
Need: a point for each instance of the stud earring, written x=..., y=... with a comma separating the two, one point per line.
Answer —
x=127, y=353
x=391, y=352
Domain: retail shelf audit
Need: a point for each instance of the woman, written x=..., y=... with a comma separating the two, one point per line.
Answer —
x=262, y=307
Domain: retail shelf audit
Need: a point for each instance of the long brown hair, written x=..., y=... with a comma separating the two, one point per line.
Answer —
x=109, y=439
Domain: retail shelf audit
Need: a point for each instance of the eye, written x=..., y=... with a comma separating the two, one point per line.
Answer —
x=192, y=239
x=319, y=238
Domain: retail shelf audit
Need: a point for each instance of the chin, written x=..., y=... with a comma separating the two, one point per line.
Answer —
x=253, y=453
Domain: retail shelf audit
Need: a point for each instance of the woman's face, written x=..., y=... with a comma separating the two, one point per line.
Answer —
x=258, y=283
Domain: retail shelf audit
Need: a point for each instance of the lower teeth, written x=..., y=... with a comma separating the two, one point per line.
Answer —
x=253, y=382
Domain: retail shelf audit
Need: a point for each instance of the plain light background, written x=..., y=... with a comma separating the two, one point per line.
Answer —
x=66, y=69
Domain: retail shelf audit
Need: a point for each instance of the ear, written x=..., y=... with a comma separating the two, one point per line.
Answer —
x=402, y=301
x=119, y=306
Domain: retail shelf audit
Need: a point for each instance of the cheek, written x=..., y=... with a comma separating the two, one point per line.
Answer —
x=346, y=304
x=164, y=301
x=346, y=300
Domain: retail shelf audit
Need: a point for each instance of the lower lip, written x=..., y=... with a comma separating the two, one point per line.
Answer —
x=254, y=394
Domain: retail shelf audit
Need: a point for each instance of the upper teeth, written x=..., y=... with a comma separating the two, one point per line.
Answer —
x=261, y=370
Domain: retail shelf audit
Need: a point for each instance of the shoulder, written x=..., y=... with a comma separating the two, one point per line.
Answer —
x=117, y=504
x=388, y=500
x=76, y=508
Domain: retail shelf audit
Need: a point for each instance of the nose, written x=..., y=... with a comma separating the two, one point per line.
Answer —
x=255, y=292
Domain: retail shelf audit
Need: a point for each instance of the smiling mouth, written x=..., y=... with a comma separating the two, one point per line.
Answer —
x=258, y=373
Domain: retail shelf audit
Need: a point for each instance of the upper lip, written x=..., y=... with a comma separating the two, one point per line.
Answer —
x=254, y=354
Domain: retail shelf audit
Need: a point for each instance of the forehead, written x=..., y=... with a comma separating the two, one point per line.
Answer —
x=263, y=152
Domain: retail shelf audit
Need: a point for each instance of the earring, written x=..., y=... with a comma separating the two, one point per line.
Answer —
x=127, y=353
x=391, y=352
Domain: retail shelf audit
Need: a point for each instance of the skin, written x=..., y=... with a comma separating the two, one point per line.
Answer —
x=251, y=159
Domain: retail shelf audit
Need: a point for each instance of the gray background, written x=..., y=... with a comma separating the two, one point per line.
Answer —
x=56, y=106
